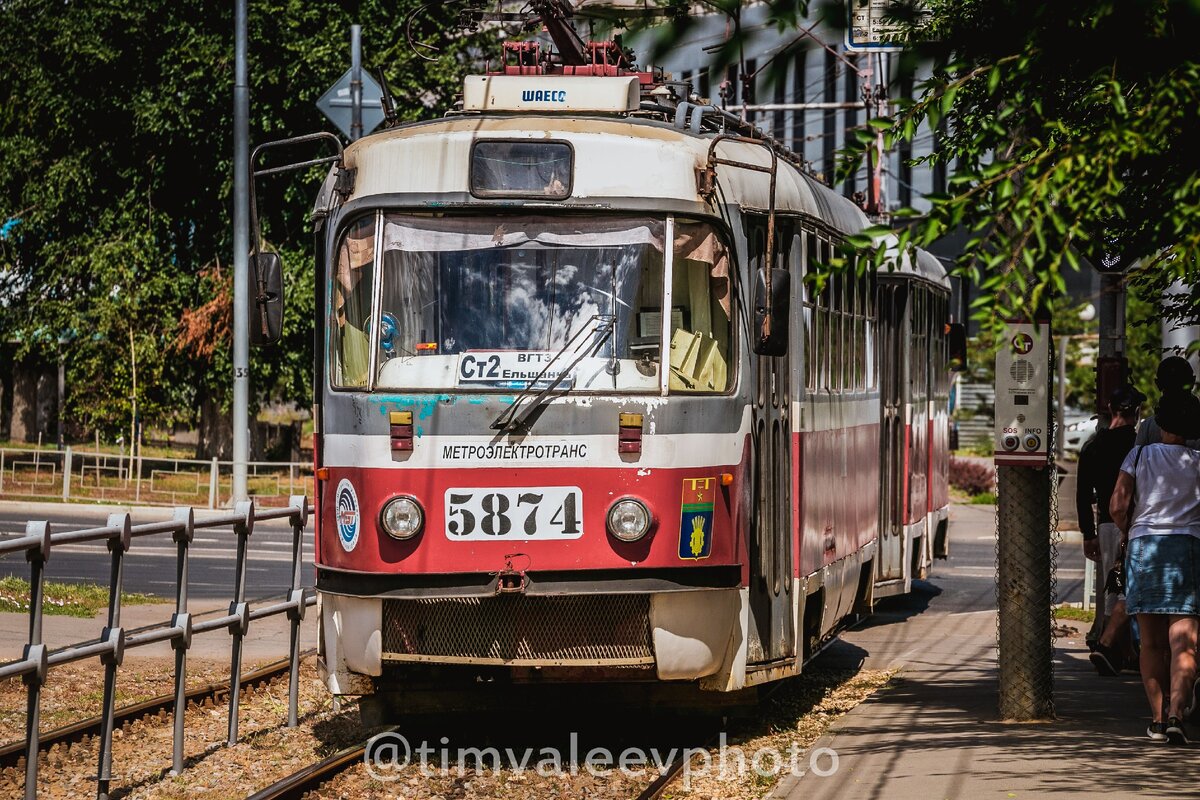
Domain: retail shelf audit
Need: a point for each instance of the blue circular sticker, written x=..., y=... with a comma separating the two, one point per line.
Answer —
x=346, y=515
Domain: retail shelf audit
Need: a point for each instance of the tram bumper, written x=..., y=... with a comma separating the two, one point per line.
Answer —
x=690, y=635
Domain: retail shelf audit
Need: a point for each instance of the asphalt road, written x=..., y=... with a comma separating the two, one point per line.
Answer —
x=150, y=564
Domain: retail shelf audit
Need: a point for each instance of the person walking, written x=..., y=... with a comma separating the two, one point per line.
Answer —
x=1156, y=504
x=1099, y=464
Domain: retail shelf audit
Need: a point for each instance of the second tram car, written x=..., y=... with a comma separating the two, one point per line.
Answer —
x=580, y=415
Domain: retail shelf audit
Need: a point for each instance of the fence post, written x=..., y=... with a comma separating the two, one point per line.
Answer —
x=241, y=610
x=35, y=651
x=299, y=504
x=137, y=486
x=66, y=486
x=182, y=620
x=213, y=486
x=1, y=471
x=115, y=636
x=1089, y=583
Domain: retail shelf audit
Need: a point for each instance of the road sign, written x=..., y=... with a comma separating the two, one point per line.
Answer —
x=336, y=103
x=868, y=28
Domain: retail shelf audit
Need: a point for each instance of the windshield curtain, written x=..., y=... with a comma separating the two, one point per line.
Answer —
x=491, y=302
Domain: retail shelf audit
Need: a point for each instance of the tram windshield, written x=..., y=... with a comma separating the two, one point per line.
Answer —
x=504, y=303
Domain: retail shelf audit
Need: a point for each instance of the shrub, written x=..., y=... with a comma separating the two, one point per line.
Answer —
x=973, y=476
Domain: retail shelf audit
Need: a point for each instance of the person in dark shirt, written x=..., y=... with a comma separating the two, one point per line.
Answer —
x=1099, y=464
x=1174, y=374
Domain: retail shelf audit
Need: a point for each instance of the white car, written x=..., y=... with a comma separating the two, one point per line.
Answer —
x=1080, y=428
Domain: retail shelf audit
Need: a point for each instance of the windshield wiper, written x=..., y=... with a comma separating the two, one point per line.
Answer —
x=507, y=421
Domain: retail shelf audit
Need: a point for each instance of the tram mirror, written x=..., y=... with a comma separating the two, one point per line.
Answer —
x=771, y=331
x=956, y=338
x=266, y=299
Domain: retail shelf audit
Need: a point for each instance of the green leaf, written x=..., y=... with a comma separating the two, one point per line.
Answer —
x=993, y=79
x=864, y=137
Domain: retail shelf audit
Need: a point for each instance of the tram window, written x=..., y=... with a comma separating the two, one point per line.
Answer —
x=350, y=305
x=810, y=347
x=810, y=267
x=856, y=369
x=702, y=335
x=822, y=316
x=484, y=302
x=521, y=169
x=872, y=328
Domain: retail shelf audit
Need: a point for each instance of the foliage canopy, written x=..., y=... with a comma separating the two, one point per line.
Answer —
x=116, y=152
x=1071, y=126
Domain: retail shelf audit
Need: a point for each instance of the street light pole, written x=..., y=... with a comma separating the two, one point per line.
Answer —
x=241, y=251
x=356, y=83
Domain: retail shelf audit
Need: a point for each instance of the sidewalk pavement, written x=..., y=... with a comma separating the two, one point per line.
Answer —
x=268, y=639
x=935, y=733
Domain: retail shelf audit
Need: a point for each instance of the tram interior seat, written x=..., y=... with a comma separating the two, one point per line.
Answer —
x=696, y=362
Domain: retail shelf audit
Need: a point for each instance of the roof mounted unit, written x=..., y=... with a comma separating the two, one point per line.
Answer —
x=618, y=95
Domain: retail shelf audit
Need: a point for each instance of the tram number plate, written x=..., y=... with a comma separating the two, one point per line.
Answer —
x=526, y=513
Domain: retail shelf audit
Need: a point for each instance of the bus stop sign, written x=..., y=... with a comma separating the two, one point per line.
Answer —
x=337, y=105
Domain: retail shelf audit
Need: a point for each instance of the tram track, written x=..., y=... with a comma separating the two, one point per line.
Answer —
x=299, y=784
x=312, y=777
x=11, y=753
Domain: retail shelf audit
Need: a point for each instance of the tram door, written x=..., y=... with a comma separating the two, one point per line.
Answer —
x=893, y=359
x=771, y=541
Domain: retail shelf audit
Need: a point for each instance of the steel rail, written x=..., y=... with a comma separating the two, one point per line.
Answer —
x=659, y=785
x=308, y=779
x=303, y=781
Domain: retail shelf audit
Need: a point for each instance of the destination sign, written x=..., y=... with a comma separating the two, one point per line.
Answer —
x=506, y=367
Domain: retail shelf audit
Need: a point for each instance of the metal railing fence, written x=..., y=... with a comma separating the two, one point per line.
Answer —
x=38, y=542
x=145, y=480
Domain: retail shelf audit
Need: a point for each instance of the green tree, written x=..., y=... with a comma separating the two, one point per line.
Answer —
x=1070, y=126
x=116, y=182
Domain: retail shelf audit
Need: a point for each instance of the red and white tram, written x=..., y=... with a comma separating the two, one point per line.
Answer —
x=554, y=439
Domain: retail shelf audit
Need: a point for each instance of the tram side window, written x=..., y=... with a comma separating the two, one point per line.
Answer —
x=825, y=314
x=941, y=375
x=838, y=333
x=870, y=320
x=856, y=325
x=812, y=347
x=701, y=318
x=350, y=302
x=920, y=344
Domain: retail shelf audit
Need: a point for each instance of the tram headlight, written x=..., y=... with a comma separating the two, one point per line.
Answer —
x=402, y=518
x=628, y=519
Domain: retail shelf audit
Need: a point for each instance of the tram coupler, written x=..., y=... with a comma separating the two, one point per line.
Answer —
x=510, y=580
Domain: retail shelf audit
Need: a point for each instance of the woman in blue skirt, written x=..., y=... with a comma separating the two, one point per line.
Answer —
x=1156, y=503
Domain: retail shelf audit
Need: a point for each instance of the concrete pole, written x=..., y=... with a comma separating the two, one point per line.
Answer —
x=241, y=253
x=1111, y=366
x=1175, y=340
x=1026, y=644
x=356, y=86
